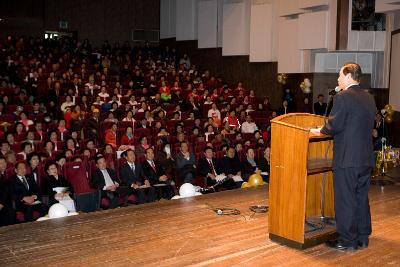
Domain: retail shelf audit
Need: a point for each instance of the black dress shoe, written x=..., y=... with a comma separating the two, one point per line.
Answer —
x=362, y=245
x=336, y=245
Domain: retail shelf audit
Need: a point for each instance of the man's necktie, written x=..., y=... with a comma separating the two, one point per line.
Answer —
x=25, y=182
x=153, y=166
x=212, y=167
x=133, y=168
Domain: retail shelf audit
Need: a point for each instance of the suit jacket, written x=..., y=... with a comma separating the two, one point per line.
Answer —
x=18, y=190
x=98, y=178
x=150, y=174
x=129, y=176
x=319, y=109
x=204, y=168
x=230, y=165
x=51, y=182
x=5, y=198
x=248, y=169
x=92, y=123
x=350, y=123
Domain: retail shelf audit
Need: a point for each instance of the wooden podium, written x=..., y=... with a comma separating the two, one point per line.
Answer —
x=299, y=163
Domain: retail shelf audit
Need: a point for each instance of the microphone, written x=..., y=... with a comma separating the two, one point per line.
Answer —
x=335, y=91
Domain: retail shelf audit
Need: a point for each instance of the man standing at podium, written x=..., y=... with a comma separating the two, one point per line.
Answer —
x=350, y=123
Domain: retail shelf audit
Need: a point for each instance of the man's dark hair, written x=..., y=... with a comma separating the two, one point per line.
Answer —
x=147, y=149
x=354, y=69
x=60, y=156
x=24, y=144
x=18, y=163
x=207, y=148
x=30, y=156
x=125, y=153
x=97, y=157
x=48, y=164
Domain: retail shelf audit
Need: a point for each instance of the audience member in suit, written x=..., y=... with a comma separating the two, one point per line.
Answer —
x=154, y=172
x=25, y=193
x=378, y=125
x=105, y=180
x=165, y=158
x=320, y=106
x=250, y=165
x=185, y=164
x=3, y=168
x=33, y=161
x=7, y=214
x=53, y=180
x=208, y=168
x=230, y=164
x=284, y=109
x=264, y=164
x=132, y=174
x=93, y=124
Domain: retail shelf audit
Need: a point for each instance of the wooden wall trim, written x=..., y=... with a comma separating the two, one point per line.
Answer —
x=342, y=28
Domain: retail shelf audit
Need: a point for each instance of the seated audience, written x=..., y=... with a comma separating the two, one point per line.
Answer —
x=210, y=170
x=265, y=163
x=250, y=165
x=132, y=174
x=185, y=164
x=7, y=214
x=111, y=136
x=248, y=126
x=104, y=179
x=25, y=192
x=53, y=180
x=230, y=165
x=154, y=172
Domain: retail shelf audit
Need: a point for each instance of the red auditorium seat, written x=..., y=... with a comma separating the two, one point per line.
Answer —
x=142, y=131
x=87, y=198
x=20, y=216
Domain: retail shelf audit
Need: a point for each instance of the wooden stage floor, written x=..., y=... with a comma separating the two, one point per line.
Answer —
x=187, y=232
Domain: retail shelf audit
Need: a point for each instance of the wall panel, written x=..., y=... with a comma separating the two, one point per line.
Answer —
x=261, y=42
x=236, y=28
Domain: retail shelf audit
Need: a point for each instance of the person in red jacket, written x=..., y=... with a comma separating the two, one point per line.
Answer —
x=111, y=136
x=165, y=92
x=128, y=139
x=232, y=120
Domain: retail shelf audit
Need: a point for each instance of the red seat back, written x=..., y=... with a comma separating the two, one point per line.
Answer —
x=76, y=174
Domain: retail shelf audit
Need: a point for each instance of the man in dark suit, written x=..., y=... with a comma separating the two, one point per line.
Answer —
x=320, y=106
x=350, y=123
x=25, y=192
x=132, y=174
x=209, y=168
x=155, y=174
x=93, y=124
x=105, y=180
x=7, y=214
x=55, y=93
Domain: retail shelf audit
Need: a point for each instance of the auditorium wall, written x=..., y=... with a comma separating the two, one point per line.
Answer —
x=103, y=20
x=21, y=17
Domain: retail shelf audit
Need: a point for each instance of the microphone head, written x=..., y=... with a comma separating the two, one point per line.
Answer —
x=337, y=89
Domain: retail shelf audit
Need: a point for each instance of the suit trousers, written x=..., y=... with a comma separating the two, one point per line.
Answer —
x=113, y=196
x=7, y=216
x=145, y=194
x=353, y=217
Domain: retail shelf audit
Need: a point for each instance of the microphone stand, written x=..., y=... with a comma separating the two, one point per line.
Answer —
x=324, y=219
x=382, y=179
